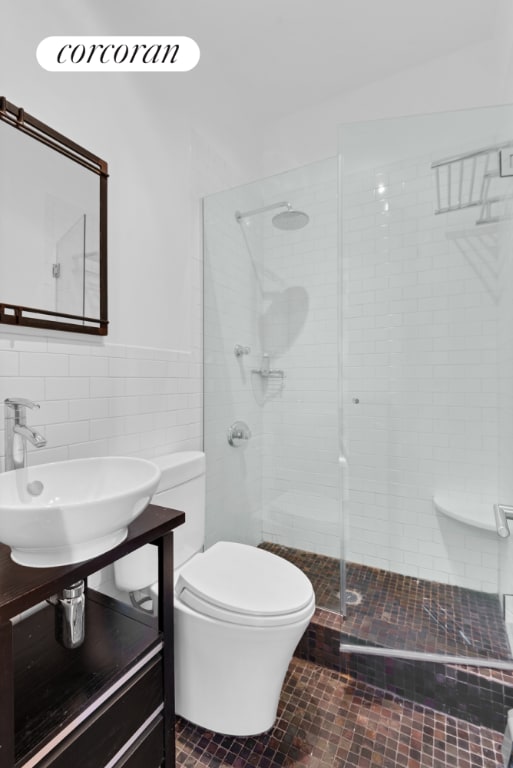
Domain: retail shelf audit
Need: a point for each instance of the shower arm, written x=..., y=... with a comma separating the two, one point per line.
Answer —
x=242, y=214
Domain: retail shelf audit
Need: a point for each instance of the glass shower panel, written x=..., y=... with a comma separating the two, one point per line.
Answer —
x=271, y=288
x=426, y=250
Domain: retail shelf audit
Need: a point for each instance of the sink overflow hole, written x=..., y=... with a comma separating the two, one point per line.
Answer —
x=35, y=488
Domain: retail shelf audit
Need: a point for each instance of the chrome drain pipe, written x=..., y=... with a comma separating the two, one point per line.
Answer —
x=70, y=615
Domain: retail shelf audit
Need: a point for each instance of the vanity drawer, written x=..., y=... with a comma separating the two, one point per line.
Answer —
x=147, y=752
x=107, y=730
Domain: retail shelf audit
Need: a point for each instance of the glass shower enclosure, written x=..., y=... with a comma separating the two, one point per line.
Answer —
x=358, y=380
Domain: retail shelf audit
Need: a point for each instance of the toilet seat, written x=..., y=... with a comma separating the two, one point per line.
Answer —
x=241, y=584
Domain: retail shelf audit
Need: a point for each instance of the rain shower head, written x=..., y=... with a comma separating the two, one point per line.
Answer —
x=289, y=219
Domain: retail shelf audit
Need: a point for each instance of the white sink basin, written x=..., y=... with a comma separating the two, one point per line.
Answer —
x=69, y=511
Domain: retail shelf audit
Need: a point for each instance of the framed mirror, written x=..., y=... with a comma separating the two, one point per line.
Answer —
x=53, y=228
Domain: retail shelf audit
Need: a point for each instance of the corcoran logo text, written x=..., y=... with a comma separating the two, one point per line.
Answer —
x=118, y=54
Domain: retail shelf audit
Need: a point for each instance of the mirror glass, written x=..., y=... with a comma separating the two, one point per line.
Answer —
x=51, y=257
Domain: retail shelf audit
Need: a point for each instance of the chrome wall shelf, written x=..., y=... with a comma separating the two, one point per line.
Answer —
x=473, y=179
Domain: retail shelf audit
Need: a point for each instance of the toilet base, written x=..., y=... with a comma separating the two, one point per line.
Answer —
x=228, y=678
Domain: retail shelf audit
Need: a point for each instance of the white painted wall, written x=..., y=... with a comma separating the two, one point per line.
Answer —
x=475, y=76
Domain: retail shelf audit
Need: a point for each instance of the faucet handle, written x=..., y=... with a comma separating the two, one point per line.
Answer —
x=13, y=402
x=18, y=405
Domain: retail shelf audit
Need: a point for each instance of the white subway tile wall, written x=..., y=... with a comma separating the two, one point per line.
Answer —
x=97, y=399
x=421, y=299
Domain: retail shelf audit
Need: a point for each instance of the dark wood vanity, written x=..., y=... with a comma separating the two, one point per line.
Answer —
x=108, y=702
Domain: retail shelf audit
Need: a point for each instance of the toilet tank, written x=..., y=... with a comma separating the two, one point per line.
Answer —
x=182, y=487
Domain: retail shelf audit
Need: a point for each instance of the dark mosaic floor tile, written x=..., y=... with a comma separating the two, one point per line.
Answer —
x=404, y=613
x=328, y=720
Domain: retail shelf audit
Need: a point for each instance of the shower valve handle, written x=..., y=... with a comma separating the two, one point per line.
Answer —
x=238, y=434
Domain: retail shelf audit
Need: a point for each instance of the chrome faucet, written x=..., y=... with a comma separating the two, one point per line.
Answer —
x=17, y=432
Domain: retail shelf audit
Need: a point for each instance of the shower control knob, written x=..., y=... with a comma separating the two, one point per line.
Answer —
x=238, y=433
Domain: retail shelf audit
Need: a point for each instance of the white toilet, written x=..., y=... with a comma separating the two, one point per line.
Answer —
x=239, y=612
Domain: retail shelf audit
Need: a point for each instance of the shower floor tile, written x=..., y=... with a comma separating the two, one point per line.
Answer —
x=404, y=613
x=327, y=720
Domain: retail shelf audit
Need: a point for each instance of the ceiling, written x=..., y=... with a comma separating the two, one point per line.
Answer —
x=291, y=54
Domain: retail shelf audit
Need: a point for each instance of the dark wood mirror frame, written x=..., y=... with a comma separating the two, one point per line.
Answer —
x=16, y=315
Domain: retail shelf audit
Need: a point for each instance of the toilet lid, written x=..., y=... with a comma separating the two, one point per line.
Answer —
x=243, y=584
